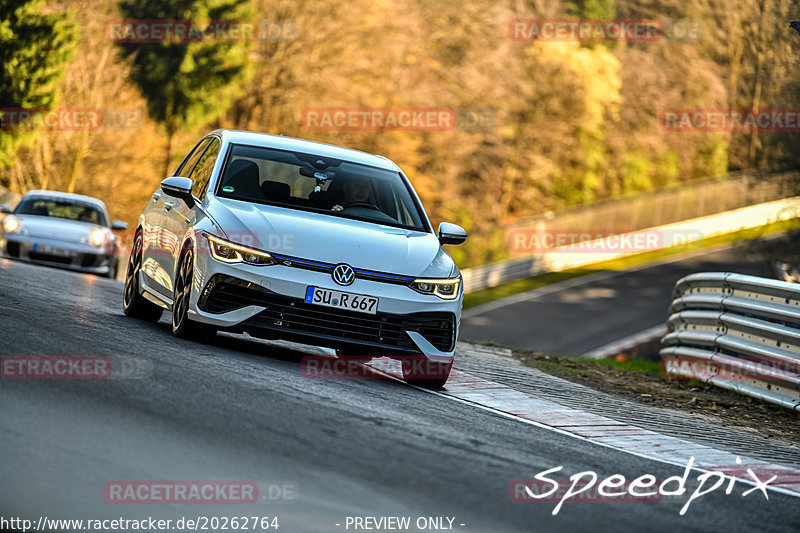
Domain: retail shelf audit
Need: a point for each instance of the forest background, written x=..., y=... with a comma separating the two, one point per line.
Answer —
x=540, y=126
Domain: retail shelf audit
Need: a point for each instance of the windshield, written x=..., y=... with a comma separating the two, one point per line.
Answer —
x=60, y=208
x=320, y=184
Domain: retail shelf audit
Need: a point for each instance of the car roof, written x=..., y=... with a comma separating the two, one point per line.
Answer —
x=282, y=142
x=65, y=196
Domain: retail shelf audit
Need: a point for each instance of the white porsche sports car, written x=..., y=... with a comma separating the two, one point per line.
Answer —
x=298, y=240
x=64, y=230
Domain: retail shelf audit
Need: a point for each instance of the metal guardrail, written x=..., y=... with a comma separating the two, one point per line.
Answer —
x=561, y=258
x=737, y=332
x=492, y=275
x=654, y=209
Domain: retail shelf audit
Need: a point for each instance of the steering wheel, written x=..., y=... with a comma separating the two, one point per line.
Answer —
x=362, y=204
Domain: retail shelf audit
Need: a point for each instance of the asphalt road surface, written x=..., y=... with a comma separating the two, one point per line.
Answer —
x=320, y=450
x=583, y=314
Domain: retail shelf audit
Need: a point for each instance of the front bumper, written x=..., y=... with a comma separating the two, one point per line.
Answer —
x=63, y=254
x=269, y=301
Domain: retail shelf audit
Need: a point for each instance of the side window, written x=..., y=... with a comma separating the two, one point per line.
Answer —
x=201, y=174
x=188, y=164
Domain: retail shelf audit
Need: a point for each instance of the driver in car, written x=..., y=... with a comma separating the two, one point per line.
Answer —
x=355, y=190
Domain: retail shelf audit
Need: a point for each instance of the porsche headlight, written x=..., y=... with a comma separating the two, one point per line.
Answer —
x=11, y=224
x=97, y=237
x=446, y=289
x=229, y=252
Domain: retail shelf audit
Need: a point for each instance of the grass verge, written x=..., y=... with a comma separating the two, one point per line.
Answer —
x=642, y=381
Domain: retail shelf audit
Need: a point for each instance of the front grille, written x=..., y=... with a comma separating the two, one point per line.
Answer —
x=372, y=275
x=36, y=256
x=293, y=315
x=12, y=249
x=437, y=328
x=223, y=294
x=90, y=260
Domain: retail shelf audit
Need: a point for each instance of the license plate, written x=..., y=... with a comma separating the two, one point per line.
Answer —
x=342, y=300
x=52, y=250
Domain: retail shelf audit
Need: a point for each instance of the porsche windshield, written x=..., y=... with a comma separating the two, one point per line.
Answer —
x=61, y=208
x=320, y=184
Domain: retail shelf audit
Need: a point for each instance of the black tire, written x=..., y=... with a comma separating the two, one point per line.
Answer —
x=182, y=326
x=134, y=304
x=425, y=373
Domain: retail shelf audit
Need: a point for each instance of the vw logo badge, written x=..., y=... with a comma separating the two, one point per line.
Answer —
x=343, y=274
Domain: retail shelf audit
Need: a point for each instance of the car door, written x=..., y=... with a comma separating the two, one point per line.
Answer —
x=159, y=244
x=179, y=217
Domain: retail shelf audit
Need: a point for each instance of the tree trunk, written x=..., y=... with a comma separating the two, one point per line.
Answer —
x=761, y=57
x=47, y=158
x=170, y=136
x=736, y=51
x=83, y=142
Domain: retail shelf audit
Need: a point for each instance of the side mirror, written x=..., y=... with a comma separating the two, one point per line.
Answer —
x=5, y=208
x=119, y=225
x=451, y=233
x=179, y=187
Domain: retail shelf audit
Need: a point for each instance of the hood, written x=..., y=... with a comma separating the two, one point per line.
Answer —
x=331, y=239
x=56, y=228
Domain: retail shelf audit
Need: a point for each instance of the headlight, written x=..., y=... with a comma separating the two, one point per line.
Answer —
x=446, y=289
x=97, y=237
x=228, y=252
x=11, y=224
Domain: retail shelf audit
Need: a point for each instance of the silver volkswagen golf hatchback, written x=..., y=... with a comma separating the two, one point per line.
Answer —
x=291, y=239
